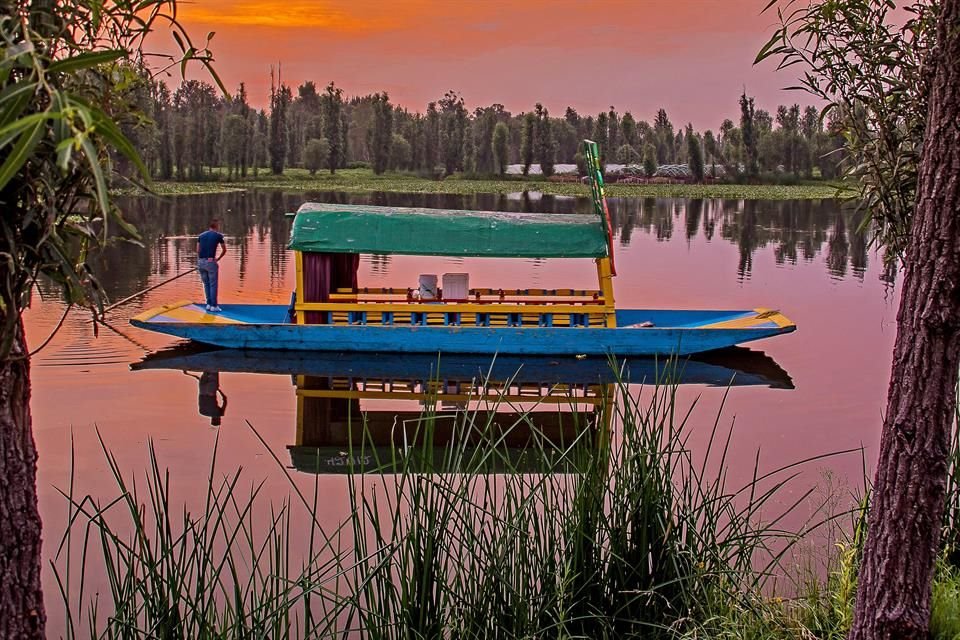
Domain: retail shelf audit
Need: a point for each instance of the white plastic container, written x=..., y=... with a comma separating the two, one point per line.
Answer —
x=428, y=286
x=456, y=286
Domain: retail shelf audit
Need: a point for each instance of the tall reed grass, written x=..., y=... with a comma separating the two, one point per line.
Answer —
x=620, y=532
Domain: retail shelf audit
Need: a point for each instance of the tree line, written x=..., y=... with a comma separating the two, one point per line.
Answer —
x=195, y=132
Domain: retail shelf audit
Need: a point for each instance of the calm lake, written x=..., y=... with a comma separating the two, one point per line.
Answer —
x=821, y=389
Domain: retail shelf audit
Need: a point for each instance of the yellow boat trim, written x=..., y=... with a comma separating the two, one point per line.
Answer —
x=183, y=311
x=605, y=274
x=197, y=315
x=301, y=291
x=156, y=311
x=763, y=316
x=441, y=307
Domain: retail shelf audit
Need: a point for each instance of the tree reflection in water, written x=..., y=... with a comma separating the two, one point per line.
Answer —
x=793, y=229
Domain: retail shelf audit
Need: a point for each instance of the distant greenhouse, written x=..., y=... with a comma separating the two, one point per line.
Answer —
x=674, y=171
x=682, y=171
x=535, y=170
x=613, y=170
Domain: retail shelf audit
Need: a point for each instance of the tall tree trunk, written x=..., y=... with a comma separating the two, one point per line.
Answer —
x=21, y=600
x=893, y=599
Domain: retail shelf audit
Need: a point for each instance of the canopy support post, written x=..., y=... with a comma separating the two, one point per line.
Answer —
x=301, y=297
x=299, y=383
x=605, y=275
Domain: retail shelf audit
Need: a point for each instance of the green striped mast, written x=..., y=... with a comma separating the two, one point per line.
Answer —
x=591, y=152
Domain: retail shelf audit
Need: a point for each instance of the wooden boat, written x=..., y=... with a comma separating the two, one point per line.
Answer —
x=332, y=313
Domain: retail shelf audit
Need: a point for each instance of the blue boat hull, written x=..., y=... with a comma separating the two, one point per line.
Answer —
x=672, y=333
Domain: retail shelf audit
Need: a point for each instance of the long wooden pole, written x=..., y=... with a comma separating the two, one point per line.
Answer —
x=147, y=290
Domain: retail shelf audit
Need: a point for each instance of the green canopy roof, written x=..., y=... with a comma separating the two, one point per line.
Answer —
x=344, y=228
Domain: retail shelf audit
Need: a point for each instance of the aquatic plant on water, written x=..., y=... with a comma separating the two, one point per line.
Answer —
x=365, y=181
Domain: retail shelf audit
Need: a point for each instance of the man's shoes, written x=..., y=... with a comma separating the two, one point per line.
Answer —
x=208, y=307
x=214, y=309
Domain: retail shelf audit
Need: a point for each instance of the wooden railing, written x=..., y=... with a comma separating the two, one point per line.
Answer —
x=467, y=314
x=459, y=391
x=480, y=295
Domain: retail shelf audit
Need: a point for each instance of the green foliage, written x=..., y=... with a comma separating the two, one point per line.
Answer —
x=447, y=135
x=469, y=154
x=628, y=127
x=194, y=105
x=950, y=534
x=453, y=130
x=280, y=99
x=63, y=88
x=344, y=138
x=401, y=154
x=498, y=144
x=711, y=151
x=680, y=147
x=592, y=537
x=663, y=138
x=945, y=603
x=826, y=610
x=259, y=153
x=613, y=128
x=234, y=141
x=431, y=137
x=359, y=179
x=601, y=135
x=316, y=155
x=694, y=155
x=304, y=122
x=179, y=189
x=545, y=145
x=332, y=107
x=868, y=66
x=730, y=147
x=649, y=160
x=748, y=132
x=568, y=139
x=829, y=149
x=627, y=155
x=484, y=125
x=581, y=163
x=170, y=573
x=381, y=136
x=527, y=136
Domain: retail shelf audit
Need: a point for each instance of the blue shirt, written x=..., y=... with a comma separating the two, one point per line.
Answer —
x=208, y=242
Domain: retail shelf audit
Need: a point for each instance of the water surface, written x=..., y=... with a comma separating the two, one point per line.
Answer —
x=805, y=258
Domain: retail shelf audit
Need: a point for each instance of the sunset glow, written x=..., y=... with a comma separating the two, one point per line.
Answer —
x=352, y=18
x=692, y=57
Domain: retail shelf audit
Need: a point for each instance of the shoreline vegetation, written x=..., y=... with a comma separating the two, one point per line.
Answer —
x=631, y=536
x=365, y=181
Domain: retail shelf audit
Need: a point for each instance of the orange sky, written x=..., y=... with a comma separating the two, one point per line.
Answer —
x=693, y=57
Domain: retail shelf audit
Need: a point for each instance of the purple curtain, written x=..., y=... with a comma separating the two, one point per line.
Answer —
x=324, y=273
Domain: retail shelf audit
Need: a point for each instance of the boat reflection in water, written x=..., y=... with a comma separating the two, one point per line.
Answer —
x=363, y=413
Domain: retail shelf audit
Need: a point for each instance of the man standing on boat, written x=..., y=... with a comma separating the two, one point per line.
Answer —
x=207, y=261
